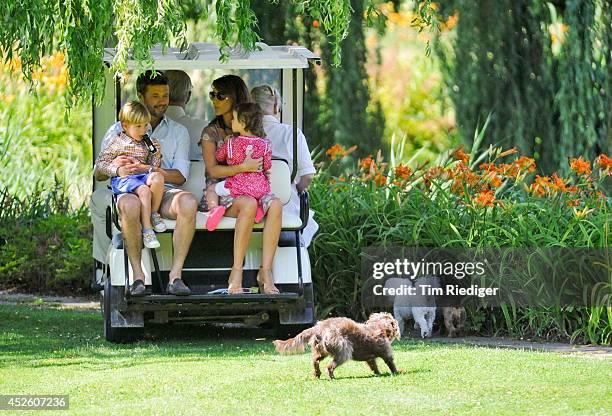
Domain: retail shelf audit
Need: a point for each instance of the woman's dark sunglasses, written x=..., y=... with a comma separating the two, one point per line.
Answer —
x=218, y=95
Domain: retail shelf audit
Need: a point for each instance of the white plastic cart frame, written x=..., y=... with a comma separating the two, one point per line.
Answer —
x=124, y=316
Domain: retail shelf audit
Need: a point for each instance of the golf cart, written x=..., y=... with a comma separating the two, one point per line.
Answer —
x=210, y=256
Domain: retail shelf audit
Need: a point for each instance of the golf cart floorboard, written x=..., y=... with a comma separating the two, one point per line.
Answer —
x=246, y=298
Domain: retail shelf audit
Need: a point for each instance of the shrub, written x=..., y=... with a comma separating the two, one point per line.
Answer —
x=39, y=143
x=463, y=200
x=44, y=243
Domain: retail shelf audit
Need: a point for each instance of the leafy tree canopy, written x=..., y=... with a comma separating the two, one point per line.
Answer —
x=31, y=29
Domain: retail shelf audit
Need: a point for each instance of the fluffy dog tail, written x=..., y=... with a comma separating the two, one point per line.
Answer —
x=294, y=345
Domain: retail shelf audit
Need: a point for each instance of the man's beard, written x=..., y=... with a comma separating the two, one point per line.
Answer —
x=158, y=111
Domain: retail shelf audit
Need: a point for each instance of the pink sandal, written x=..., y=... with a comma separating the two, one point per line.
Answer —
x=259, y=214
x=214, y=217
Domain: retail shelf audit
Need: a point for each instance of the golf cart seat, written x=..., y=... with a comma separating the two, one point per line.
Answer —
x=281, y=187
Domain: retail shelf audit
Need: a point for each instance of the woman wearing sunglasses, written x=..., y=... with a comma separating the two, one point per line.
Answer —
x=227, y=92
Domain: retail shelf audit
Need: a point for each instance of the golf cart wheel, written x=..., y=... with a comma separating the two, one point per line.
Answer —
x=110, y=301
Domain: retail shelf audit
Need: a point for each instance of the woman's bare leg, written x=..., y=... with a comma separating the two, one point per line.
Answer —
x=156, y=184
x=243, y=209
x=271, y=234
x=144, y=194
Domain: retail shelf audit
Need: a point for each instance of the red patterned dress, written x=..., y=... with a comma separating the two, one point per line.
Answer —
x=233, y=151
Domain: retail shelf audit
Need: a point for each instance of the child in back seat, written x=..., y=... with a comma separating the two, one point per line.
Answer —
x=248, y=124
x=149, y=187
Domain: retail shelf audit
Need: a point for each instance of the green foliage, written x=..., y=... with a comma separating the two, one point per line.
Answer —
x=411, y=92
x=583, y=80
x=138, y=26
x=334, y=17
x=38, y=145
x=33, y=29
x=235, y=16
x=543, y=75
x=352, y=118
x=373, y=207
x=44, y=244
x=329, y=116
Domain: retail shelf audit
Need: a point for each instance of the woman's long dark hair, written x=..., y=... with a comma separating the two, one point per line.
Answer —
x=234, y=87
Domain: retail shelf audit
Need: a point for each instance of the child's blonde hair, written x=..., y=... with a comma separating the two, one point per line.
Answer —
x=134, y=112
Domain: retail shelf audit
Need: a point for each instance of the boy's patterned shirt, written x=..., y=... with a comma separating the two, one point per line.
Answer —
x=124, y=145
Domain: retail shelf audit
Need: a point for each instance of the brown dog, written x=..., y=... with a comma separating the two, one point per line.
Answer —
x=343, y=339
x=454, y=319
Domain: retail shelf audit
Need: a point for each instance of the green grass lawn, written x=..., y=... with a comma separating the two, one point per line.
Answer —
x=194, y=370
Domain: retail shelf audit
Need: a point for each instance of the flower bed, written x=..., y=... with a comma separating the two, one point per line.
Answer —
x=492, y=199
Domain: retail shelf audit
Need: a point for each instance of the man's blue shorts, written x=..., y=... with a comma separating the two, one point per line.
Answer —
x=127, y=184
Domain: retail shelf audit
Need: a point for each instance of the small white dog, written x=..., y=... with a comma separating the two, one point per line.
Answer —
x=421, y=307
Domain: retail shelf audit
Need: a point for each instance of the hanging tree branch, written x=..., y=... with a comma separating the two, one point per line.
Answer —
x=32, y=29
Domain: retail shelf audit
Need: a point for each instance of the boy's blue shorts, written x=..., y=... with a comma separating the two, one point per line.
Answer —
x=127, y=184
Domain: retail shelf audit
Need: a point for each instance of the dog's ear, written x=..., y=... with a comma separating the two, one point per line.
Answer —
x=389, y=328
x=394, y=330
x=389, y=332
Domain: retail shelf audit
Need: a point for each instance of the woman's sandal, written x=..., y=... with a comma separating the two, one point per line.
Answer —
x=235, y=288
x=259, y=214
x=264, y=287
x=215, y=216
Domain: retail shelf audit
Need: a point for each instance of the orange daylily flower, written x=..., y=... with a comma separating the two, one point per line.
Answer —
x=338, y=151
x=403, y=172
x=572, y=189
x=495, y=181
x=540, y=186
x=451, y=22
x=558, y=183
x=459, y=154
x=380, y=179
x=604, y=162
x=488, y=167
x=508, y=152
x=485, y=199
x=580, y=166
x=510, y=170
x=526, y=163
x=366, y=163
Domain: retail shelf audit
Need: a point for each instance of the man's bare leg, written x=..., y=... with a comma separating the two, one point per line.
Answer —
x=129, y=207
x=183, y=207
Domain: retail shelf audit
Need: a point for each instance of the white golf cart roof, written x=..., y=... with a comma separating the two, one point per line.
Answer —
x=206, y=56
x=290, y=60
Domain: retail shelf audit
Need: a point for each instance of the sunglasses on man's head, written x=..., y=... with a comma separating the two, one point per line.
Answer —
x=217, y=95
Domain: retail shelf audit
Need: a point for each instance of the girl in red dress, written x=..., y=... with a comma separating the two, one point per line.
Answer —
x=247, y=122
